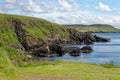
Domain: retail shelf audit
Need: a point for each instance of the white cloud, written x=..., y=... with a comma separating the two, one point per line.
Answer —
x=31, y=6
x=72, y=0
x=64, y=4
x=10, y=1
x=34, y=6
x=67, y=6
x=80, y=17
x=103, y=7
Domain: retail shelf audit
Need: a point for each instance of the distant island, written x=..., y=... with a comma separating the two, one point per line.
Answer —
x=94, y=28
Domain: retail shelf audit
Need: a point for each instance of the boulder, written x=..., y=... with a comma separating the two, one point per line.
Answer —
x=89, y=36
x=101, y=39
x=86, y=49
x=56, y=49
x=88, y=41
x=75, y=52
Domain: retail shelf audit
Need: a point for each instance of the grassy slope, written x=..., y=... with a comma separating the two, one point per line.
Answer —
x=61, y=70
x=55, y=70
x=95, y=28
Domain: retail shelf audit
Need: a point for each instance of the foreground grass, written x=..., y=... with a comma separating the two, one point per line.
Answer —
x=63, y=70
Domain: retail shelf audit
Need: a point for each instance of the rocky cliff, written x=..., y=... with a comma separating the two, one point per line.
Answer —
x=21, y=36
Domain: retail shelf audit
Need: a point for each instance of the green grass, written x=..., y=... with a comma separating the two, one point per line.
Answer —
x=6, y=67
x=62, y=70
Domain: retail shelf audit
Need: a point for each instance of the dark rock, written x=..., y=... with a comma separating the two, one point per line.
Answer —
x=90, y=36
x=75, y=52
x=88, y=42
x=41, y=51
x=75, y=37
x=86, y=49
x=56, y=49
x=101, y=39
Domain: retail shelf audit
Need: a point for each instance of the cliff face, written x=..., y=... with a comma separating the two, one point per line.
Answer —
x=21, y=36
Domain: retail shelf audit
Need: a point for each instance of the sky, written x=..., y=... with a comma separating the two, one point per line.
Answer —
x=66, y=11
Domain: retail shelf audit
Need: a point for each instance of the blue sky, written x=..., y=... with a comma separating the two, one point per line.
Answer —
x=66, y=11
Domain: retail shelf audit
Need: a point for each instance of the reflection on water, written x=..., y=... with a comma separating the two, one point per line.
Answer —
x=103, y=52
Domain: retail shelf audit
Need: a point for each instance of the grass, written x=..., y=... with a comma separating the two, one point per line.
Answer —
x=64, y=70
x=6, y=67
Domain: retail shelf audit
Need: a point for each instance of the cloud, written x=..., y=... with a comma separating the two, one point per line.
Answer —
x=35, y=7
x=103, y=7
x=64, y=4
x=8, y=6
x=81, y=17
x=31, y=6
x=10, y=1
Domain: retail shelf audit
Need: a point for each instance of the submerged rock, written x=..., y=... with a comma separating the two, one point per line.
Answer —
x=86, y=49
x=76, y=52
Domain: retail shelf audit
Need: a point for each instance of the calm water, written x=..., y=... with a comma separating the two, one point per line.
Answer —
x=103, y=52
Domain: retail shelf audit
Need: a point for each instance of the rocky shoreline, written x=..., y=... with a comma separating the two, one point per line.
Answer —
x=55, y=47
x=53, y=44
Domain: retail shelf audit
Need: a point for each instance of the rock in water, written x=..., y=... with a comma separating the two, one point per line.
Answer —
x=101, y=39
x=56, y=49
x=86, y=49
x=76, y=52
x=88, y=42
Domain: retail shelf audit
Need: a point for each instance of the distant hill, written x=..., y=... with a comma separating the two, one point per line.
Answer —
x=94, y=28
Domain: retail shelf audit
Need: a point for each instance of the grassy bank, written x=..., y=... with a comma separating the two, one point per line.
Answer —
x=63, y=70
